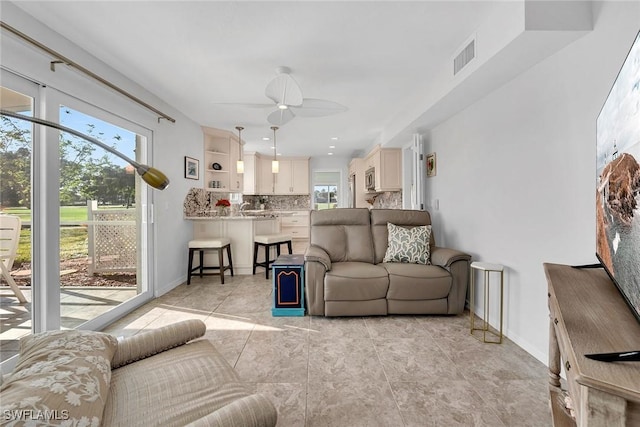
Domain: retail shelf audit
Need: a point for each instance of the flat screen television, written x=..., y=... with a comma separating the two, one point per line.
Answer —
x=618, y=181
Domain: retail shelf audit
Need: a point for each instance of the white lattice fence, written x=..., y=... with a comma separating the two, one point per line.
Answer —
x=112, y=239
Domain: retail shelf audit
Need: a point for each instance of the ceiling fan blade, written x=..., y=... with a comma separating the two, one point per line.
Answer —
x=280, y=117
x=312, y=107
x=242, y=105
x=283, y=89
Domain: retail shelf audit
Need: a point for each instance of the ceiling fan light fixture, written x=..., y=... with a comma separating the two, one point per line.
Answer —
x=283, y=106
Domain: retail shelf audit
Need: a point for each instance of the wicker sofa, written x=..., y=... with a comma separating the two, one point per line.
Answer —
x=345, y=274
x=157, y=378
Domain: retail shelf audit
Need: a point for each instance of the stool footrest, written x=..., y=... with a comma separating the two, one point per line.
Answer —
x=199, y=270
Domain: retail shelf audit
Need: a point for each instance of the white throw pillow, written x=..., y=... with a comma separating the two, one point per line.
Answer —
x=408, y=244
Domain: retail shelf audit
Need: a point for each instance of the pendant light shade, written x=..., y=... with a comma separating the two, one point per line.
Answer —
x=275, y=165
x=240, y=162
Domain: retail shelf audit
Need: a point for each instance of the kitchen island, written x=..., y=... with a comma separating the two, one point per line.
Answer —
x=241, y=230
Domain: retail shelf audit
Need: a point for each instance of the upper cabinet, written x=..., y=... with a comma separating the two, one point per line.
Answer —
x=292, y=178
x=221, y=151
x=387, y=165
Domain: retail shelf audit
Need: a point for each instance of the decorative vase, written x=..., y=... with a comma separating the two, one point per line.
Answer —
x=222, y=211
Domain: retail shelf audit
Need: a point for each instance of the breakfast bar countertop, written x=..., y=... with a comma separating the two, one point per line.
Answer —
x=230, y=218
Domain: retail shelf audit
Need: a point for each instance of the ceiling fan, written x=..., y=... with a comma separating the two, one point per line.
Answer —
x=286, y=94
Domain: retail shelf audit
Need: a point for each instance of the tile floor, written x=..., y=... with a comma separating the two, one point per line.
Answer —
x=365, y=371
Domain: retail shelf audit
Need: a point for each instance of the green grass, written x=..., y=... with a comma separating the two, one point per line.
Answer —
x=73, y=240
x=67, y=213
x=73, y=244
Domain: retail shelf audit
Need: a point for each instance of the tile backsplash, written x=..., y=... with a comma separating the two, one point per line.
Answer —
x=278, y=202
x=388, y=200
x=201, y=203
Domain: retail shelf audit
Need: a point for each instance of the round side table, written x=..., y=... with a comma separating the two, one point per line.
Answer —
x=486, y=268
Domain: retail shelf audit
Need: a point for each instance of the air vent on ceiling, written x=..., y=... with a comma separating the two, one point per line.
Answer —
x=464, y=57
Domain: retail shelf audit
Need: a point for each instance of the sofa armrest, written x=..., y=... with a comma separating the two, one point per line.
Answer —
x=456, y=263
x=316, y=265
x=317, y=254
x=147, y=344
x=445, y=257
x=250, y=411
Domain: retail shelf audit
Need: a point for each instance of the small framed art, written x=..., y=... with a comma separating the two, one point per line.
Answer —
x=431, y=164
x=191, y=168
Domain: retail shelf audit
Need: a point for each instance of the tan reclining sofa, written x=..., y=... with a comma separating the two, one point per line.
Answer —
x=159, y=378
x=345, y=274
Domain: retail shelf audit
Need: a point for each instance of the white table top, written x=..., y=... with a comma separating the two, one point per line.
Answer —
x=486, y=266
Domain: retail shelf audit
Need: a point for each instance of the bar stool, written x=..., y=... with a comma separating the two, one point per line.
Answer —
x=218, y=244
x=268, y=241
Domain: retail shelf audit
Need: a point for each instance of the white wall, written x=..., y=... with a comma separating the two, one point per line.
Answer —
x=516, y=170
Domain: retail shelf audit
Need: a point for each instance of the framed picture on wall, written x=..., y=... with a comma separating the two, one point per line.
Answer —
x=191, y=168
x=431, y=164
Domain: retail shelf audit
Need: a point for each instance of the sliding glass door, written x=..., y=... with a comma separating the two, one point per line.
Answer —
x=16, y=147
x=82, y=257
x=102, y=216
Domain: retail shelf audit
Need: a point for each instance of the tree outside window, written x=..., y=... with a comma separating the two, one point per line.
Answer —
x=325, y=197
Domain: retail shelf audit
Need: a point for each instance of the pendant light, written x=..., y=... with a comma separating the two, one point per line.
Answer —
x=275, y=165
x=240, y=162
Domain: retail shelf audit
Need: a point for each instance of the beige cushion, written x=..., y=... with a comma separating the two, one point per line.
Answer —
x=272, y=238
x=355, y=281
x=417, y=281
x=344, y=234
x=218, y=242
x=408, y=244
x=63, y=375
x=173, y=388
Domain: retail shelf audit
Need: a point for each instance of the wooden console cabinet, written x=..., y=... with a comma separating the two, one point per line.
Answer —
x=588, y=315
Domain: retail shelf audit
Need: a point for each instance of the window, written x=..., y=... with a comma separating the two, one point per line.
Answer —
x=326, y=187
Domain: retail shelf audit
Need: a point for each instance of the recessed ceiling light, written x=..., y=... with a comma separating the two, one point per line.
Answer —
x=332, y=146
x=334, y=138
x=266, y=138
x=331, y=154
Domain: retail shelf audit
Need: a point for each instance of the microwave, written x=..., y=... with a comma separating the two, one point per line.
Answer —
x=370, y=179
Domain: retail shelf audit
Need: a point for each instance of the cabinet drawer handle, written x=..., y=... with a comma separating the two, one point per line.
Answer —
x=555, y=321
x=567, y=365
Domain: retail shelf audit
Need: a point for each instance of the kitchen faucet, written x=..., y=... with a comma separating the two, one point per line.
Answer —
x=244, y=205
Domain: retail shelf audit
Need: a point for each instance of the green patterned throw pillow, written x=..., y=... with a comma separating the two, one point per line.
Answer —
x=410, y=245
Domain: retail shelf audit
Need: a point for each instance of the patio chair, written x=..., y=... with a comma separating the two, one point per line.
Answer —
x=9, y=237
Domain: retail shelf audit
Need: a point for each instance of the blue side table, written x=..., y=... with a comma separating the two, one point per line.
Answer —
x=288, y=285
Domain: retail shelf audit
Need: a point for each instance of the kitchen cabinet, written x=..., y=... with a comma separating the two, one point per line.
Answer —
x=297, y=224
x=293, y=177
x=265, y=176
x=250, y=178
x=387, y=164
x=357, y=189
x=221, y=151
